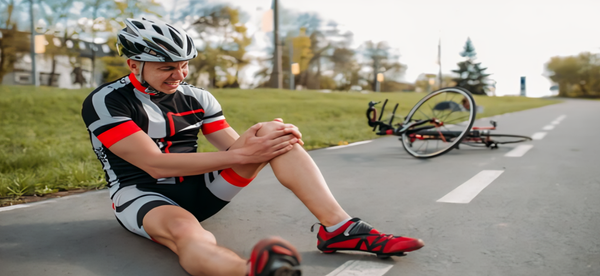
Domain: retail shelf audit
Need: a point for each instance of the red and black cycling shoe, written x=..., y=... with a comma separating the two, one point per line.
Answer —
x=358, y=235
x=274, y=256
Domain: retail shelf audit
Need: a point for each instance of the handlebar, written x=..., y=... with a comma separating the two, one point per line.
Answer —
x=372, y=114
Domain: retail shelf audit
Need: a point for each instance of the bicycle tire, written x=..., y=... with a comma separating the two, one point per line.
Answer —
x=500, y=139
x=443, y=100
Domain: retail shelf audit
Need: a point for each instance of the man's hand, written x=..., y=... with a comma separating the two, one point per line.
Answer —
x=294, y=130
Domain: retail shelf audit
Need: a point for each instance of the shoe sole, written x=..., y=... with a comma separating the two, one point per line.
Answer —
x=288, y=271
x=279, y=244
x=379, y=255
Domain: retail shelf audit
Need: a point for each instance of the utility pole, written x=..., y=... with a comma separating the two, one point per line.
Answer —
x=440, y=61
x=276, y=76
x=291, y=46
x=34, y=78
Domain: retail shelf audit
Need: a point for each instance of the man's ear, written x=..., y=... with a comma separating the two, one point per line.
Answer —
x=134, y=66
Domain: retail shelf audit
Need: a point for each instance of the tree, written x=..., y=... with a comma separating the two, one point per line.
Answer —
x=381, y=59
x=54, y=13
x=222, y=38
x=470, y=74
x=576, y=76
x=13, y=44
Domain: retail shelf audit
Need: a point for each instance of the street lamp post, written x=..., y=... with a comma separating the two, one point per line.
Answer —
x=380, y=78
x=291, y=46
x=33, y=33
x=277, y=78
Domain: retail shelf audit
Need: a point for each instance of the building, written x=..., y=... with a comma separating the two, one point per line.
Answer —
x=70, y=70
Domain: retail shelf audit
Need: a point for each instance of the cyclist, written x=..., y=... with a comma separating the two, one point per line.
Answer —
x=143, y=129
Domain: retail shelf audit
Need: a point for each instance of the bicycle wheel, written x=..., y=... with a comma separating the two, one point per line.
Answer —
x=452, y=108
x=495, y=139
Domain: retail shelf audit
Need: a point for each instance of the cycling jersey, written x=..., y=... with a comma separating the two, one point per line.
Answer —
x=120, y=108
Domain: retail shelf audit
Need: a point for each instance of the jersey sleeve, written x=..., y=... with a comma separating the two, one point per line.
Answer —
x=214, y=120
x=108, y=117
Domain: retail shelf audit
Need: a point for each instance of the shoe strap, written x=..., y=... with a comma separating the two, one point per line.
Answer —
x=358, y=227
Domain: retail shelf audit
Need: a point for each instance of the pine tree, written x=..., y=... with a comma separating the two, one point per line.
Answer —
x=470, y=74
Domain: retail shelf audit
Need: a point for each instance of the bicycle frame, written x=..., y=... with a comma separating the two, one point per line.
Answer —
x=475, y=135
x=388, y=128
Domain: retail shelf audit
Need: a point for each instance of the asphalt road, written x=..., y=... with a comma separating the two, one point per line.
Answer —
x=540, y=216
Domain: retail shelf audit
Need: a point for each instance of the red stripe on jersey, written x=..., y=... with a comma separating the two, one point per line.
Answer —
x=172, y=123
x=214, y=126
x=138, y=85
x=235, y=179
x=115, y=134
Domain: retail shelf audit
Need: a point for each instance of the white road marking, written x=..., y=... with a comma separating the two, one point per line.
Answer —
x=349, y=145
x=519, y=151
x=52, y=200
x=538, y=135
x=548, y=127
x=470, y=189
x=560, y=118
x=360, y=268
x=8, y=208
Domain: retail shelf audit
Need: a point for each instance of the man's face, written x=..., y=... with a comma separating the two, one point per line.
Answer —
x=162, y=76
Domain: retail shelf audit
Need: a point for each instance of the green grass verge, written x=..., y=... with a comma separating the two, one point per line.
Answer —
x=44, y=146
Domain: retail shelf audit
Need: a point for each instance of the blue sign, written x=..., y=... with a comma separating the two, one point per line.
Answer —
x=523, y=87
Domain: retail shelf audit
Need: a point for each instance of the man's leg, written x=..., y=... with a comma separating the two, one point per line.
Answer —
x=197, y=248
x=298, y=172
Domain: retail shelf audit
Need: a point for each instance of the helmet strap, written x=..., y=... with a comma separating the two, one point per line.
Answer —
x=144, y=83
x=140, y=75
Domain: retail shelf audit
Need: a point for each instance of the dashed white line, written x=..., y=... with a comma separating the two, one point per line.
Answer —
x=470, y=189
x=349, y=145
x=538, y=135
x=548, y=127
x=519, y=151
x=360, y=268
x=559, y=119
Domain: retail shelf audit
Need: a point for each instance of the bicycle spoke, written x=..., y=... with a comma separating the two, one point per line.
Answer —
x=447, y=106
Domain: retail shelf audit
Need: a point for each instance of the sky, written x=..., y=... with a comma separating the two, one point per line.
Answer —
x=512, y=38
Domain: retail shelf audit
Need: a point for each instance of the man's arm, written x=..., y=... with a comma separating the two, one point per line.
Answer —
x=139, y=150
x=223, y=139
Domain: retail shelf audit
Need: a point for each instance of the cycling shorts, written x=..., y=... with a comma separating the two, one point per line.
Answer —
x=202, y=195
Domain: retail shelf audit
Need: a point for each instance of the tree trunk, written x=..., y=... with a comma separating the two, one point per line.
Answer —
x=53, y=71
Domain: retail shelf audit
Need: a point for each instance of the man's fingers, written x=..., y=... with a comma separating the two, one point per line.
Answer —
x=254, y=129
x=285, y=139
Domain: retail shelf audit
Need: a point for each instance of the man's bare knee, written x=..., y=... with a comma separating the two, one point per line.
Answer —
x=268, y=127
x=184, y=229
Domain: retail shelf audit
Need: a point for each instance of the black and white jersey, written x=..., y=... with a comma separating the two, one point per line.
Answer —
x=123, y=107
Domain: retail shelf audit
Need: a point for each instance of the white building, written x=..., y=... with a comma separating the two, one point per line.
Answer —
x=69, y=71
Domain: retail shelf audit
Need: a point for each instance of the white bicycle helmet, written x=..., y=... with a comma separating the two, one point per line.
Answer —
x=154, y=40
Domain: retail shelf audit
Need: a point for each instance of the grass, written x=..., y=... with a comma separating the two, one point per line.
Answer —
x=44, y=145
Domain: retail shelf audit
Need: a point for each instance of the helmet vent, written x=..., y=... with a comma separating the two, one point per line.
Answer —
x=176, y=38
x=166, y=46
x=157, y=29
x=189, y=45
x=130, y=31
x=138, y=24
x=172, y=28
